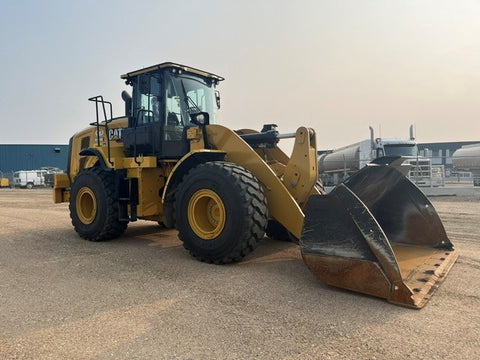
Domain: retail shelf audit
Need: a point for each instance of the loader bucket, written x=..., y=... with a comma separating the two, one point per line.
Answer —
x=377, y=234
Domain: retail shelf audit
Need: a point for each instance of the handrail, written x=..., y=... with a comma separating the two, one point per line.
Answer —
x=99, y=99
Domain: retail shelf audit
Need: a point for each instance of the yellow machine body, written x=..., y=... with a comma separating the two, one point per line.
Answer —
x=288, y=182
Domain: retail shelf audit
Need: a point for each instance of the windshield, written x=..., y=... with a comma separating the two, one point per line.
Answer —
x=401, y=150
x=187, y=95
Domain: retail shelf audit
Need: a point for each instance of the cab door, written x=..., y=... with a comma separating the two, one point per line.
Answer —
x=174, y=137
x=143, y=135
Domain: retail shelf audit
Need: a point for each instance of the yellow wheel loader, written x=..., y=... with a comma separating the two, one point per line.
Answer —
x=167, y=160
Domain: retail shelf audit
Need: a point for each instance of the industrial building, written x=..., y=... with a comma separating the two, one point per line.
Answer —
x=15, y=157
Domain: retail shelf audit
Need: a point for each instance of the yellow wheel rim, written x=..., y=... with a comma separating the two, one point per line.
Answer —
x=86, y=204
x=206, y=214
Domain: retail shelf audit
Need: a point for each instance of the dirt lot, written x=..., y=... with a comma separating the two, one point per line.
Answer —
x=143, y=297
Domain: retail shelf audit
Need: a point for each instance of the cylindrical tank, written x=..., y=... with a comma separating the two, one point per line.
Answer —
x=345, y=158
x=467, y=158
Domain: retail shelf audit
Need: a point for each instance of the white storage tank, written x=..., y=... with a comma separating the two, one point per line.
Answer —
x=467, y=158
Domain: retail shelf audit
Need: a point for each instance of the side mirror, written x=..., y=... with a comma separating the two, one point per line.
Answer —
x=217, y=98
x=200, y=119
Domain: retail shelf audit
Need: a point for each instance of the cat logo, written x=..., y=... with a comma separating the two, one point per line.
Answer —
x=115, y=134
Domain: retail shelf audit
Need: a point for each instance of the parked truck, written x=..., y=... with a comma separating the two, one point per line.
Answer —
x=337, y=165
x=29, y=178
x=467, y=159
x=34, y=178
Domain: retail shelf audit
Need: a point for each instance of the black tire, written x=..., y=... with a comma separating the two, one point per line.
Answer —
x=243, y=205
x=97, y=186
x=29, y=186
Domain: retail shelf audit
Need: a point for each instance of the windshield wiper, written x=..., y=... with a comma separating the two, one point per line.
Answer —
x=189, y=102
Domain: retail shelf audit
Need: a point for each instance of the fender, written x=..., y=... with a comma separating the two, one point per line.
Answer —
x=94, y=152
x=188, y=162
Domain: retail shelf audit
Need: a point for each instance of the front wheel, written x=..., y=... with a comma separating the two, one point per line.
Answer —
x=220, y=212
x=93, y=208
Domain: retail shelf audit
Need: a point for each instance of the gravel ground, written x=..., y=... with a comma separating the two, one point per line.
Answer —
x=142, y=297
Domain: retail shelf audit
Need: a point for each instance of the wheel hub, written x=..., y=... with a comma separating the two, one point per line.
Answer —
x=206, y=214
x=86, y=205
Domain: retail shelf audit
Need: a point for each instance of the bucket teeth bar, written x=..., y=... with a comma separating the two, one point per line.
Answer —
x=377, y=234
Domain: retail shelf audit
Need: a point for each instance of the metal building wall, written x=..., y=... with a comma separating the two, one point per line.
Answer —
x=32, y=157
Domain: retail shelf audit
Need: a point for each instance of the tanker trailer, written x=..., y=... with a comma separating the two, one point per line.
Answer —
x=336, y=166
x=467, y=158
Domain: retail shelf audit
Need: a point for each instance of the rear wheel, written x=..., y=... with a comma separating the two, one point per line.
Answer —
x=220, y=212
x=29, y=186
x=93, y=208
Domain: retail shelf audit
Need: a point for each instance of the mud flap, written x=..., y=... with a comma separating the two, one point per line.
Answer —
x=377, y=234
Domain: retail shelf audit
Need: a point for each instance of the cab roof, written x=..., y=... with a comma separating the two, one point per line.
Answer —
x=172, y=65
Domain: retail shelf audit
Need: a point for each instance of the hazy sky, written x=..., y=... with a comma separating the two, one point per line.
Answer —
x=336, y=66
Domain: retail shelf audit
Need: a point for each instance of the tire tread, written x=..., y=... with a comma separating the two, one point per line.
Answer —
x=112, y=227
x=254, y=206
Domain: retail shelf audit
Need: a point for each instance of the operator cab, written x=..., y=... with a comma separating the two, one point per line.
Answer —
x=166, y=97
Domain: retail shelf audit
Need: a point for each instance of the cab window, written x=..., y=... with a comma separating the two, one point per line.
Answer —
x=147, y=99
x=174, y=118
